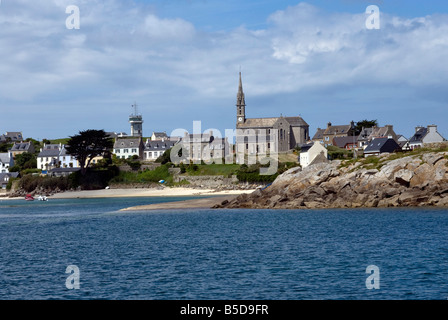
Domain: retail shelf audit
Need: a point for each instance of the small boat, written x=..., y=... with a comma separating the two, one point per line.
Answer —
x=42, y=198
x=29, y=197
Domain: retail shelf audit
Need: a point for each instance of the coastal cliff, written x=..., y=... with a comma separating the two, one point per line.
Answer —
x=395, y=180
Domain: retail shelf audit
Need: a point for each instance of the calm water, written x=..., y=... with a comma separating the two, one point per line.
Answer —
x=219, y=254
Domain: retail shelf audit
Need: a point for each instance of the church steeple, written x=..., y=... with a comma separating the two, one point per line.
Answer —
x=240, y=104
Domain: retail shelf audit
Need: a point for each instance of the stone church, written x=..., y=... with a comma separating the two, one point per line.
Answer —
x=285, y=132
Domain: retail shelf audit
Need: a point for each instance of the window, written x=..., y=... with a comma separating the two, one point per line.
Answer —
x=327, y=138
x=126, y=150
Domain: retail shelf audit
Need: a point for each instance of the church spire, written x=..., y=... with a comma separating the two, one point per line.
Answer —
x=240, y=101
x=240, y=104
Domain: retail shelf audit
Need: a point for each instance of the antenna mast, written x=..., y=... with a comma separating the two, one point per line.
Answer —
x=134, y=106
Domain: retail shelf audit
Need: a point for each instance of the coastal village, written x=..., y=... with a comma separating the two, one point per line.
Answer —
x=281, y=135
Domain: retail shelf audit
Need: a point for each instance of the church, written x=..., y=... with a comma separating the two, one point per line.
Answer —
x=285, y=133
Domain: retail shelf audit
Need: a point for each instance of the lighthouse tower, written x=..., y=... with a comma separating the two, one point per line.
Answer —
x=136, y=121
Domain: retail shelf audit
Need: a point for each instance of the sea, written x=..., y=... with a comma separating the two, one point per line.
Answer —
x=87, y=249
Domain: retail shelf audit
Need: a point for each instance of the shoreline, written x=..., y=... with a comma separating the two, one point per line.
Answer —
x=139, y=192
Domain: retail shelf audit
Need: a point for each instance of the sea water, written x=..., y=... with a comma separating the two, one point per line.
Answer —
x=219, y=254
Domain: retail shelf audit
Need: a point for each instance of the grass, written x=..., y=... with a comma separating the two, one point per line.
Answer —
x=58, y=141
x=214, y=170
x=375, y=162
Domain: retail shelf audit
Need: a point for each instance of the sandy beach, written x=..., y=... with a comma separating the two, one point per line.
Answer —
x=143, y=192
x=216, y=197
x=154, y=192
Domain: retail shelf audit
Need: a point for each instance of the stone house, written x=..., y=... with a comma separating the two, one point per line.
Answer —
x=22, y=147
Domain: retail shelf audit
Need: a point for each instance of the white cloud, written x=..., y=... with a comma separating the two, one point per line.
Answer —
x=125, y=52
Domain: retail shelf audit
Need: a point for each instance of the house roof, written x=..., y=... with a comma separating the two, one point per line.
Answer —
x=5, y=157
x=419, y=135
x=376, y=145
x=48, y=153
x=9, y=175
x=341, y=142
x=158, y=145
x=364, y=134
x=21, y=146
x=14, y=135
x=331, y=130
x=319, y=135
x=160, y=134
x=127, y=143
x=306, y=147
x=197, y=137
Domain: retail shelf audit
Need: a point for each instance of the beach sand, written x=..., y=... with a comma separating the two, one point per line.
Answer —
x=143, y=192
x=202, y=203
x=215, y=197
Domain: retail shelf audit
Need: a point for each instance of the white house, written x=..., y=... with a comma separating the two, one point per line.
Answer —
x=66, y=160
x=313, y=153
x=55, y=155
x=156, y=148
x=425, y=135
x=6, y=161
x=126, y=148
x=48, y=156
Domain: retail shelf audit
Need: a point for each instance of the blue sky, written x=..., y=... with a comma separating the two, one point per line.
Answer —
x=179, y=60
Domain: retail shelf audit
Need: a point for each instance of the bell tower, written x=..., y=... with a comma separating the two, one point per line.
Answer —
x=240, y=104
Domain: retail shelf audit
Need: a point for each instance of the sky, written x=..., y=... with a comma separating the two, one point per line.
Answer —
x=179, y=60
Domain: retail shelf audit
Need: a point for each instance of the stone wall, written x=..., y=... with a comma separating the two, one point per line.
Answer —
x=207, y=181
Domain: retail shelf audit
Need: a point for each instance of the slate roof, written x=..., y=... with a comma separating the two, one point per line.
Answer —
x=258, y=123
x=341, y=142
x=419, y=135
x=158, y=145
x=296, y=121
x=127, y=143
x=21, y=146
x=364, y=134
x=381, y=145
x=269, y=122
x=14, y=135
x=50, y=150
x=305, y=148
x=337, y=129
x=160, y=135
x=319, y=135
x=10, y=175
x=5, y=157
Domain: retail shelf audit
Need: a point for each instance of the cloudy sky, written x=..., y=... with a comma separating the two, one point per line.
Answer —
x=179, y=60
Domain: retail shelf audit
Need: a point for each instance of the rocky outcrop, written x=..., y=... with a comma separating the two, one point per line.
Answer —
x=419, y=180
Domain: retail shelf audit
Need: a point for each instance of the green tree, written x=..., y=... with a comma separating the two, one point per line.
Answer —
x=365, y=124
x=87, y=145
x=25, y=160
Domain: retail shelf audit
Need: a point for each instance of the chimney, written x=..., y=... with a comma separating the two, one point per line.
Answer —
x=432, y=128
